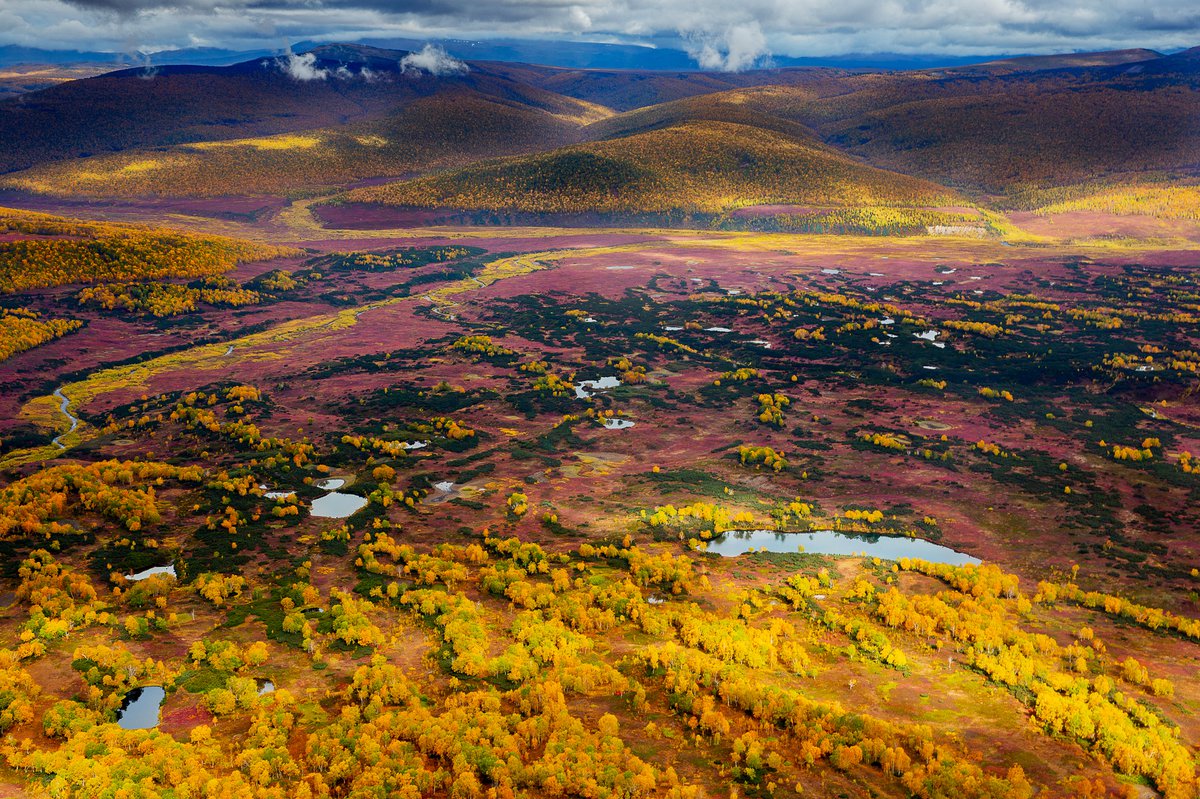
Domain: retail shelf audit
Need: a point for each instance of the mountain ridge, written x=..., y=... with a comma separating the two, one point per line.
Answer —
x=342, y=114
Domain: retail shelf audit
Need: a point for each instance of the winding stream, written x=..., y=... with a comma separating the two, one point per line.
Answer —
x=496, y=270
x=437, y=309
x=64, y=406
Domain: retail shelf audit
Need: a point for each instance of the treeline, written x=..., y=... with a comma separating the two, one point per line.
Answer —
x=167, y=299
x=1161, y=202
x=403, y=258
x=94, y=252
x=21, y=329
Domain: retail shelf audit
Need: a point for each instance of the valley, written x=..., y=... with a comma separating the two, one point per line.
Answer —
x=525, y=431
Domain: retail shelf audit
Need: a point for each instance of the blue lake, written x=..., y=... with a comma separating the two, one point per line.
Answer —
x=139, y=710
x=829, y=542
x=336, y=505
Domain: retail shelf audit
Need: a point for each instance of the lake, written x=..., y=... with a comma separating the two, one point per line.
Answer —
x=336, y=505
x=139, y=710
x=829, y=542
x=584, y=388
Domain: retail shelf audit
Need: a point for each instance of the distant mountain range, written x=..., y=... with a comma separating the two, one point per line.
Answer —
x=499, y=136
x=577, y=55
x=14, y=54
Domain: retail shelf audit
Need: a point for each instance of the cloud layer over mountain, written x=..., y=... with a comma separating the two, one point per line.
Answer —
x=718, y=34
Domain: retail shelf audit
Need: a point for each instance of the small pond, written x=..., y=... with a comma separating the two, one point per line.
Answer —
x=139, y=709
x=584, y=388
x=336, y=505
x=829, y=542
x=330, y=483
x=617, y=424
x=153, y=570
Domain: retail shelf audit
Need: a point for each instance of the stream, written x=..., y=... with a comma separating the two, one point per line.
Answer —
x=190, y=357
x=63, y=405
x=437, y=309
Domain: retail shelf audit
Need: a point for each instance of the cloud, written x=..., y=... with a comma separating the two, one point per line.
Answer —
x=736, y=49
x=434, y=60
x=724, y=34
x=579, y=20
x=302, y=67
x=138, y=58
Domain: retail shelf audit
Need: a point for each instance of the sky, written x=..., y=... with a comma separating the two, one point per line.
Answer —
x=719, y=34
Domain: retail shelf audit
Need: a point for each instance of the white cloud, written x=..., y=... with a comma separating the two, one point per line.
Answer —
x=302, y=67
x=729, y=31
x=736, y=49
x=434, y=60
x=579, y=20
